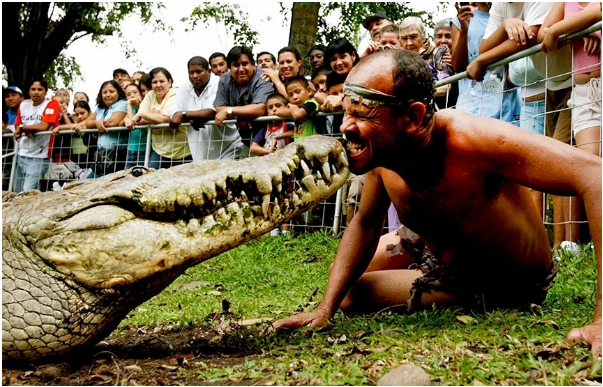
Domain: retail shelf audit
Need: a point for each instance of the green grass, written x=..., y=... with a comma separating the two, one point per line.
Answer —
x=275, y=277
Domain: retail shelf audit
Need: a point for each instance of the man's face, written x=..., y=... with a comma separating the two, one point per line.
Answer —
x=320, y=82
x=297, y=93
x=218, y=65
x=198, y=76
x=316, y=59
x=376, y=26
x=120, y=77
x=265, y=62
x=336, y=90
x=242, y=70
x=374, y=136
x=411, y=39
x=37, y=93
x=443, y=36
x=273, y=104
x=13, y=99
x=390, y=38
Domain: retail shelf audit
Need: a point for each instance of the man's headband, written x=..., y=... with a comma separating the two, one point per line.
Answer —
x=373, y=98
x=368, y=97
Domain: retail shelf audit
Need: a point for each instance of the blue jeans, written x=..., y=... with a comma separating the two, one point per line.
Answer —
x=157, y=161
x=532, y=116
x=28, y=173
x=134, y=158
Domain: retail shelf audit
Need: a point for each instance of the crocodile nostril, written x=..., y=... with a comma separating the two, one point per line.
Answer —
x=138, y=171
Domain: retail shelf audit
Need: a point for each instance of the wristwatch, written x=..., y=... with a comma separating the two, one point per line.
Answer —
x=229, y=111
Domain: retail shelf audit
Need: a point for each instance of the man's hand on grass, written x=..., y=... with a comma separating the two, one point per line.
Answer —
x=590, y=334
x=314, y=319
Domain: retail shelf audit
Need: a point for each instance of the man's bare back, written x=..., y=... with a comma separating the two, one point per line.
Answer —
x=456, y=180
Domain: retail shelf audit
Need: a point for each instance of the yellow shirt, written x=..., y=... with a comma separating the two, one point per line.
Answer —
x=166, y=144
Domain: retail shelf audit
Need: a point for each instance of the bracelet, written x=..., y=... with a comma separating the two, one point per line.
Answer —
x=278, y=84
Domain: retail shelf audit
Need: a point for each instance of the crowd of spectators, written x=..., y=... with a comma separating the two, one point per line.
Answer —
x=240, y=86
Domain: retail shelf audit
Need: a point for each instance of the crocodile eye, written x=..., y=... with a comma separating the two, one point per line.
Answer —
x=138, y=171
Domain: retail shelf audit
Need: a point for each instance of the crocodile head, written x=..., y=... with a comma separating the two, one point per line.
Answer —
x=107, y=245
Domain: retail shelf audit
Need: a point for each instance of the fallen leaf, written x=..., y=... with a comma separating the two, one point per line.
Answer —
x=133, y=382
x=534, y=373
x=215, y=293
x=182, y=306
x=378, y=350
x=173, y=361
x=359, y=335
x=206, y=265
x=168, y=367
x=158, y=382
x=343, y=339
x=466, y=319
x=103, y=377
x=133, y=368
x=192, y=285
x=187, y=356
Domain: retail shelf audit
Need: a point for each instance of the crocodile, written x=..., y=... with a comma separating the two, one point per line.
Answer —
x=75, y=262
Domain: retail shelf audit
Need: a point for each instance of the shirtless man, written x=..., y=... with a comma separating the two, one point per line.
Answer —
x=457, y=181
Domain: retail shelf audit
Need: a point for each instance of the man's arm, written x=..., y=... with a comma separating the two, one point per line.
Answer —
x=547, y=165
x=355, y=252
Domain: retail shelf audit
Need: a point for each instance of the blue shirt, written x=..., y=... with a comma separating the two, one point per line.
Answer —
x=112, y=139
x=488, y=98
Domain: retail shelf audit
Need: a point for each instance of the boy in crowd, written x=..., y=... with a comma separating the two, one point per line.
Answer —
x=303, y=108
x=266, y=60
x=122, y=77
x=218, y=64
x=273, y=137
x=319, y=79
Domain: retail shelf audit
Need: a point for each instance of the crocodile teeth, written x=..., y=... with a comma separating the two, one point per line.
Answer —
x=326, y=169
x=244, y=196
x=309, y=183
x=342, y=159
x=229, y=196
x=265, y=205
x=279, y=187
x=305, y=167
x=333, y=170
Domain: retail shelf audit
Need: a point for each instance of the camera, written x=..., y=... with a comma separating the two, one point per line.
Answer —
x=464, y=4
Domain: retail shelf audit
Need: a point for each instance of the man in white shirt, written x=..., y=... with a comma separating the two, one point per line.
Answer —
x=194, y=105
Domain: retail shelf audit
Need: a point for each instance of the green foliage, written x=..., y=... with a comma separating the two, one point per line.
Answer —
x=43, y=30
x=228, y=14
x=275, y=277
x=63, y=71
x=352, y=14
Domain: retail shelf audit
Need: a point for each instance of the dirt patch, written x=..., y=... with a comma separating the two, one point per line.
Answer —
x=153, y=355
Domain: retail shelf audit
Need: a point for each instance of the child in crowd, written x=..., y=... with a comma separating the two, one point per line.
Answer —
x=274, y=137
x=303, y=108
x=137, y=142
x=62, y=145
x=389, y=38
x=319, y=79
x=80, y=96
x=270, y=139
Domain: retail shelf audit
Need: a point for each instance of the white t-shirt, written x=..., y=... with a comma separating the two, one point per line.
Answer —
x=210, y=143
x=533, y=14
x=47, y=111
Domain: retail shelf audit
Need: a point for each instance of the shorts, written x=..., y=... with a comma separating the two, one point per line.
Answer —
x=585, y=102
x=558, y=118
x=436, y=276
x=532, y=116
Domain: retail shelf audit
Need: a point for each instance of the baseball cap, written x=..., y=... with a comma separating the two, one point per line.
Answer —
x=15, y=89
x=369, y=19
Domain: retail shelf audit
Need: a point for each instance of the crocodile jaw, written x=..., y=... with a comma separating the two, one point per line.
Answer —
x=175, y=218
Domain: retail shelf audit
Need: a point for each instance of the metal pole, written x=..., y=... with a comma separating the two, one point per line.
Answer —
x=337, y=213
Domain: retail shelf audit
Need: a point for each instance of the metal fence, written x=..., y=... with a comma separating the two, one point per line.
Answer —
x=73, y=154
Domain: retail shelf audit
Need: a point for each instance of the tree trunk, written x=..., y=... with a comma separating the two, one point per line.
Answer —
x=304, y=27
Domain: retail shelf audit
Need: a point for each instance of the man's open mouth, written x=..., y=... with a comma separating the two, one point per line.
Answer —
x=355, y=147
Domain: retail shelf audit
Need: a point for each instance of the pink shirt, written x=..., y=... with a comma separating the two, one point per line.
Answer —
x=582, y=62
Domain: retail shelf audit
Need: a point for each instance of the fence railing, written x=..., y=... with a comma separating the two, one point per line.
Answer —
x=329, y=214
